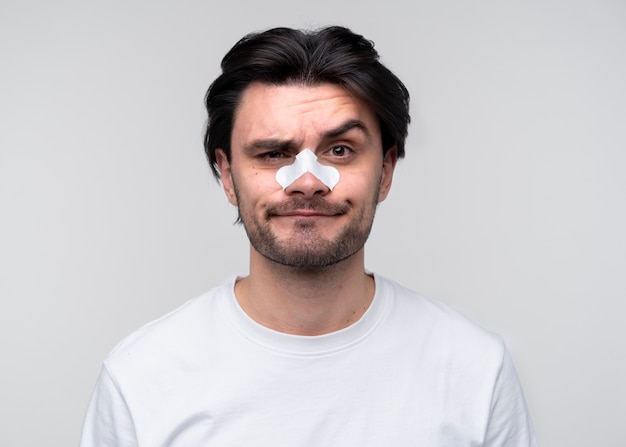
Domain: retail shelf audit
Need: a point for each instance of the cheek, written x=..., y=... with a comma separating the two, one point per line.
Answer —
x=360, y=191
x=256, y=185
x=358, y=186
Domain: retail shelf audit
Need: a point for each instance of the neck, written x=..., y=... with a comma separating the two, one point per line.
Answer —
x=305, y=302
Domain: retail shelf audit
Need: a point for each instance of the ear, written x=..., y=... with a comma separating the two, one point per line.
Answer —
x=226, y=175
x=389, y=164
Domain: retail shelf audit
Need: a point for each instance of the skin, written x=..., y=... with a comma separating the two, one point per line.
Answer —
x=306, y=254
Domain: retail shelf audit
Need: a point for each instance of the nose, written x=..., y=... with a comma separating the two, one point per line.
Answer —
x=307, y=185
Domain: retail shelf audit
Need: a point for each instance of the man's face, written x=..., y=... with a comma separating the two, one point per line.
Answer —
x=306, y=225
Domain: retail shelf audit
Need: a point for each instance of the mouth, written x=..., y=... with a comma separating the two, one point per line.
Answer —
x=306, y=209
x=305, y=213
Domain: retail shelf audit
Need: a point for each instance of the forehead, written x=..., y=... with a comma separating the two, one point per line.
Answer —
x=297, y=112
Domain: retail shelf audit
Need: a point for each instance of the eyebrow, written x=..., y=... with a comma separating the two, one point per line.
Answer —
x=274, y=144
x=270, y=144
x=346, y=127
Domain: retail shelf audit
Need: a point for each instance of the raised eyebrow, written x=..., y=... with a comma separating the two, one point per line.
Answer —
x=347, y=126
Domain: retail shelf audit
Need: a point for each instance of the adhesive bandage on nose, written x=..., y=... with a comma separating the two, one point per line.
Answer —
x=306, y=161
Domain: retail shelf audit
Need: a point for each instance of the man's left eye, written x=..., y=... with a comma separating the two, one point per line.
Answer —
x=340, y=151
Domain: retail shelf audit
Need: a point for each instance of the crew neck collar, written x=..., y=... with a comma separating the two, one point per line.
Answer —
x=306, y=345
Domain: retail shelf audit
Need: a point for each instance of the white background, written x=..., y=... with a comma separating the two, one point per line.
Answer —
x=509, y=205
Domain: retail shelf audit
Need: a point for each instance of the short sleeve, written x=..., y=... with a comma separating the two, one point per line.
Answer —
x=509, y=424
x=108, y=422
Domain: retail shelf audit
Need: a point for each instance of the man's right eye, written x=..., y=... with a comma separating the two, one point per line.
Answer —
x=271, y=155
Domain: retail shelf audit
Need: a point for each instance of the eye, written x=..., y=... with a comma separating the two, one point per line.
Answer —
x=340, y=151
x=272, y=155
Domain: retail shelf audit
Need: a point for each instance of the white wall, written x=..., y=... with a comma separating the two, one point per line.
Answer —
x=509, y=205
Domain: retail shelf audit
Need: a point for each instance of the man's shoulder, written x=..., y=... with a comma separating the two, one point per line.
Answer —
x=425, y=317
x=175, y=331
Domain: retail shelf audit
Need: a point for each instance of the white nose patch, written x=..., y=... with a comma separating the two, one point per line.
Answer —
x=306, y=161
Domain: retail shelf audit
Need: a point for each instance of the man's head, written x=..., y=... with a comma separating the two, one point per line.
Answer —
x=283, y=56
x=304, y=132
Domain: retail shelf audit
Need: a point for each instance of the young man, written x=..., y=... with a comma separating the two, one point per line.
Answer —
x=309, y=349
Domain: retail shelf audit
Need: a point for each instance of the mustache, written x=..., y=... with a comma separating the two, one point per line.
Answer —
x=316, y=204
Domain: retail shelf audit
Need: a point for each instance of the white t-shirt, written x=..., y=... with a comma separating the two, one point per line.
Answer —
x=410, y=372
